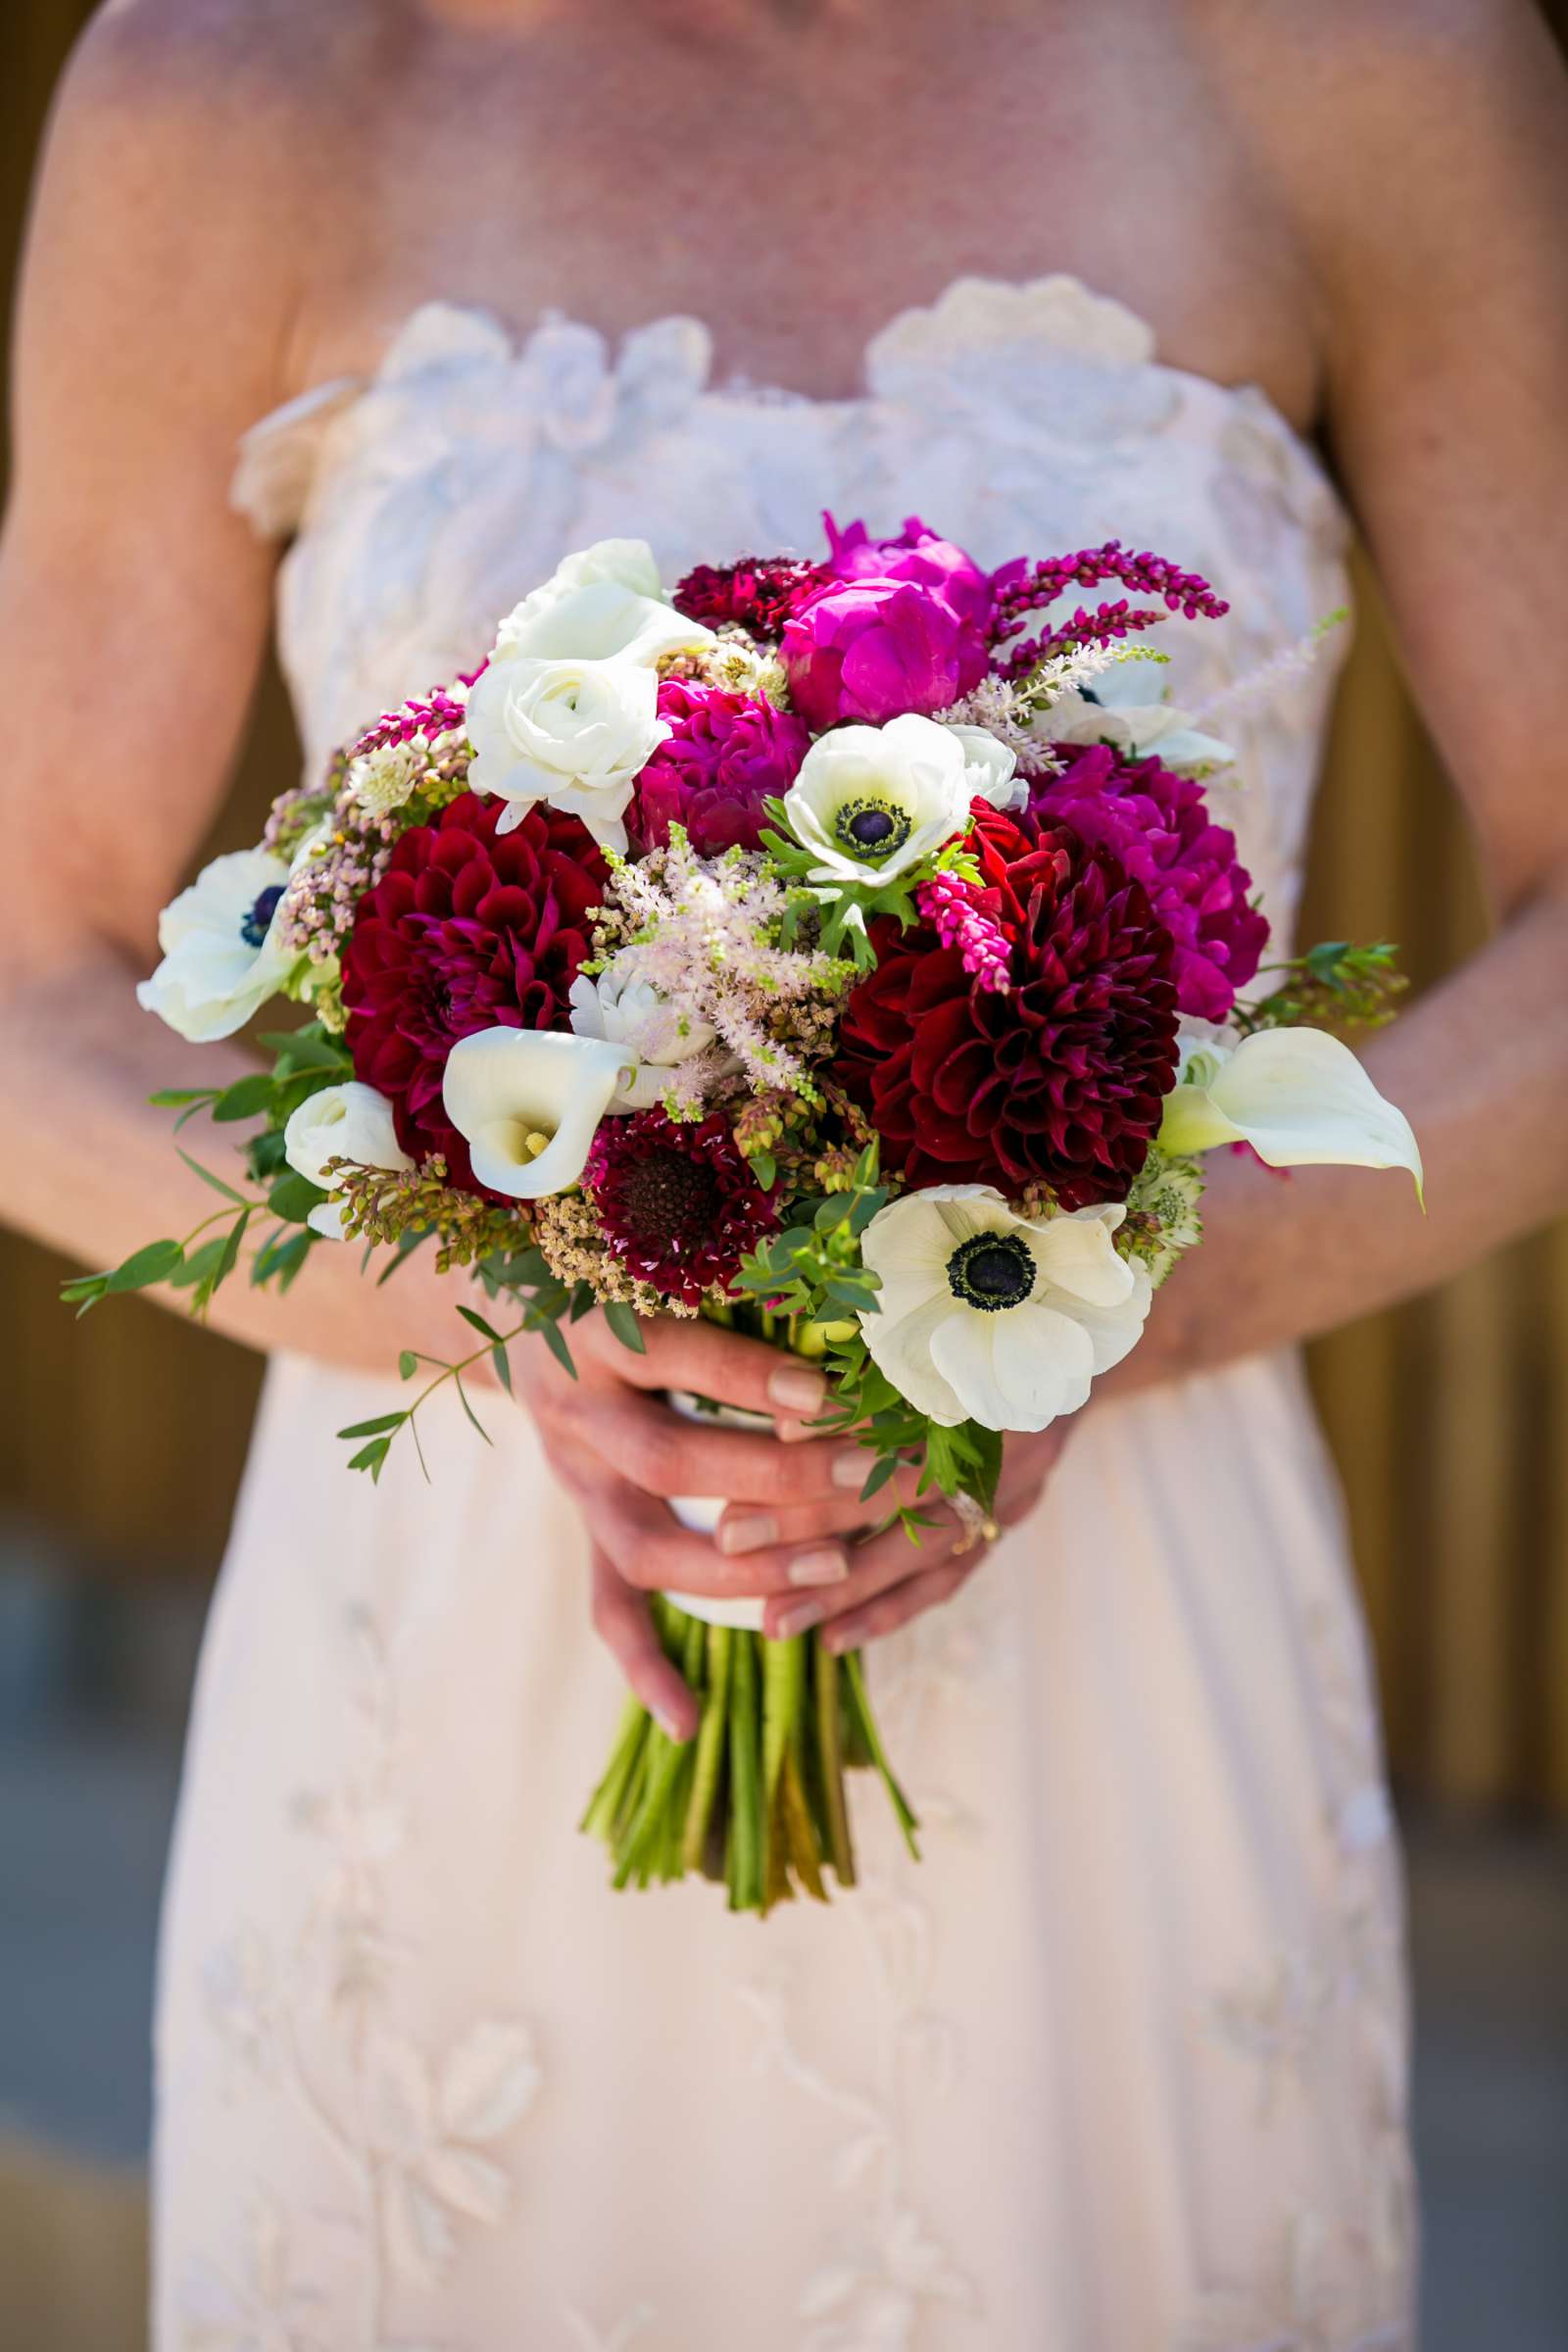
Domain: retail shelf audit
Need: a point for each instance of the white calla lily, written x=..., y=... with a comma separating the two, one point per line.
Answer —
x=871, y=803
x=1297, y=1096
x=993, y=1317
x=223, y=954
x=526, y=1103
x=352, y=1122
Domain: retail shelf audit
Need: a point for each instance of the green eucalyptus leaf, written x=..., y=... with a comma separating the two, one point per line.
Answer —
x=246, y=1098
x=217, y=1182
x=154, y=1263
x=373, y=1428
x=626, y=1326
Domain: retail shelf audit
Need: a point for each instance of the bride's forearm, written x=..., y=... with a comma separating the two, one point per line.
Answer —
x=89, y=1169
x=1479, y=1067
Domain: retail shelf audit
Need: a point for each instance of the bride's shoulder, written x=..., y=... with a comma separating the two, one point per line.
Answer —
x=242, y=72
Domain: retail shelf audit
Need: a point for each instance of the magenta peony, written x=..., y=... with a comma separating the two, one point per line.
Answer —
x=872, y=650
x=918, y=553
x=1156, y=824
x=725, y=755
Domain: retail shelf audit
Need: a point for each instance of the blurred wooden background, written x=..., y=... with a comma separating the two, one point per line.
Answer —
x=123, y=1439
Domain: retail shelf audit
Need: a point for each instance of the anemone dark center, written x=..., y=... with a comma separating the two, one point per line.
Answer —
x=871, y=828
x=992, y=1270
x=666, y=1197
x=258, y=916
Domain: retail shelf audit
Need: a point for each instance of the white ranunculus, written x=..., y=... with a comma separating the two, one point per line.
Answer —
x=993, y=1317
x=635, y=1015
x=223, y=958
x=871, y=803
x=617, y=563
x=598, y=620
x=1297, y=1096
x=989, y=768
x=350, y=1122
x=1125, y=707
x=572, y=732
x=526, y=1103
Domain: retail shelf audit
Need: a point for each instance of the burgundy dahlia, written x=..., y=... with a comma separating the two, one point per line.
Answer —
x=758, y=594
x=465, y=931
x=1156, y=824
x=725, y=755
x=678, y=1202
x=1060, y=1080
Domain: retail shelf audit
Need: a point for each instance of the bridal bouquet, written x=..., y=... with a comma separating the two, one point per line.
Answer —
x=843, y=950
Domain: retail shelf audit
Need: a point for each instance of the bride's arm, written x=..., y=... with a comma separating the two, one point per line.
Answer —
x=1429, y=149
x=133, y=611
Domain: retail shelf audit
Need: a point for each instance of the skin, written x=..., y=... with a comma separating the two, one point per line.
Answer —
x=1358, y=206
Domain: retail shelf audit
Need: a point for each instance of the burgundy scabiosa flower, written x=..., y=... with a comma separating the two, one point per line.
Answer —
x=1157, y=826
x=758, y=594
x=462, y=932
x=918, y=553
x=677, y=1200
x=725, y=755
x=1060, y=1078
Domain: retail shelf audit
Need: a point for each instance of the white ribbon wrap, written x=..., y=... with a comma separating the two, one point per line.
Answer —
x=701, y=1513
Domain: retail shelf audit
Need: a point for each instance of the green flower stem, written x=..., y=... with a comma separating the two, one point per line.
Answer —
x=604, y=1804
x=855, y=1675
x=745, y=1883
x=709, y=1744
x=826, y=1674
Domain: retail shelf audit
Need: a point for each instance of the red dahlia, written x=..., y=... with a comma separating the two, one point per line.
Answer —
x=758, y=593
x=1060, y=1079
x=465, y=931
x=678, y=1202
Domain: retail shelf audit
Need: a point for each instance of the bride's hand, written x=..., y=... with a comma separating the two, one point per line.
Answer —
x=892, y=1578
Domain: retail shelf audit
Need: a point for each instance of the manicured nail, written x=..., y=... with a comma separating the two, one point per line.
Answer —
x=798, y=1389
x=801, y=1618
x=748, y=1532
x=852, y=1469
x=795, y=1433
x=840, y=1638
x=826, y=1567
x=672, y=1726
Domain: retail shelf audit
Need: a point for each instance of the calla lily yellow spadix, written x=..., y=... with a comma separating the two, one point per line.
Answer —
x=526, y=1103
x=1297, y=1096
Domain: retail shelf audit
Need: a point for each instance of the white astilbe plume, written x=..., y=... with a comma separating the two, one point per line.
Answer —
x=703, y=932
x=1256, y=688
x=1002, y=710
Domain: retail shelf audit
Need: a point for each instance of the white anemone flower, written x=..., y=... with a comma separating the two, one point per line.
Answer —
x=1126, y=708
x=222, y=955
x=526, y=1103
x=1297, y=1096
x=653, y=1033
x=352, y=1122
x=992, y=1317
x=871, y=803
x=989, y=766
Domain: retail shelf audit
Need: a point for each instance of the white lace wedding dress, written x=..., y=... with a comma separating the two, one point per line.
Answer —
x=1120, y=2067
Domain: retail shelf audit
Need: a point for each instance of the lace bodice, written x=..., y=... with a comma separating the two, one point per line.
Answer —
x=422, y=502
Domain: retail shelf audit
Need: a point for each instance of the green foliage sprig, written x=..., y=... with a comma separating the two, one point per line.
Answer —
x=1336, y=984
x=842, y=911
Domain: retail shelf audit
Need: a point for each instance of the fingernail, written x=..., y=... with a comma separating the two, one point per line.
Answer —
x=795, y=1433
x=827, y=1567
x=852, y=1469
x=749, y=1533
x=838, y=1638
x=672, y=1726
x=798, y=1389
x=801, y=1618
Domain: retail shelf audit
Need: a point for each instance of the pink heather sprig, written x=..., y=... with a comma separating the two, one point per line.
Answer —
x=953, y=909
x=1020, y=590
x=436, y=714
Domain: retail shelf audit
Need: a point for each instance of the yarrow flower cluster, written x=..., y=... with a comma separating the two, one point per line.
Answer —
x=841, y=948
